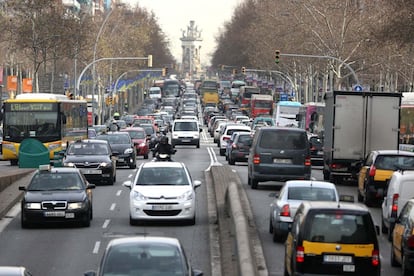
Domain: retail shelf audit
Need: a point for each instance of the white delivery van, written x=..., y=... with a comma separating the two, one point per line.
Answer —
x=185, y=132
x=154, y=93
x=400, y=190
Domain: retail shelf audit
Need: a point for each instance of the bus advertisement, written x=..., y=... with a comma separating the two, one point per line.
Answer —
x=311, y=117
x=53, y=119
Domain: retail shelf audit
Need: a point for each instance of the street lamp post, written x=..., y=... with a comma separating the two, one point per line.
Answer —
x=94, y=67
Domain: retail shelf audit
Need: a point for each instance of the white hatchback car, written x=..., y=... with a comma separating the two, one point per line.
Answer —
x=227, y=132
x=293, y=193
x=162, y=191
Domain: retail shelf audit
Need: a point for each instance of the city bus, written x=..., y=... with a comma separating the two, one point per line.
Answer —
x=53, y=119
x=311, y=117
x=171, y=88
x=286, y=113
x=246, y=93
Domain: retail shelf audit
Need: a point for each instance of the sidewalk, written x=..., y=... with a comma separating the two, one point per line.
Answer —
x=10, y=179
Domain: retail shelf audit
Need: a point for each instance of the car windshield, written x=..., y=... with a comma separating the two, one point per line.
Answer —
x=137, y=134
x=114, y=139
x=55, y=181
x=186, y=126
x=88, y=149
x=146, y=259
x=283, y=140
x=338, y=227
x=162, y=176
x=311, y=194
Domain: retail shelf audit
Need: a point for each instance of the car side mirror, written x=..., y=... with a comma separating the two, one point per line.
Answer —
x=127, y=184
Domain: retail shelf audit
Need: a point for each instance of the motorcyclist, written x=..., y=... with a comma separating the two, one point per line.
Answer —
x=163, y=147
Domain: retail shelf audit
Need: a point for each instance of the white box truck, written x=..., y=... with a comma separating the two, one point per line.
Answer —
x=355, y=123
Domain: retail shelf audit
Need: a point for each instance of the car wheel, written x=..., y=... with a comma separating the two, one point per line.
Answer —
x=231, y=161
x=270, y=226
x=404, y=267
x=326, y=175
x=227, y=157
x=133, y=222
x=254, y=183
x=91, y=213
x=13, y=162
x=198, y=145
x=285, y=272
x=277, y=237
x=367, y=198
x=133, y=166
x=249, y=181
x=24, y=222
x=192, y=221
x=145, y=156
x=360, y=197
x=221, y=152
x=394, y=262
x=390, y=230
x=86, y=222
x=384, y=229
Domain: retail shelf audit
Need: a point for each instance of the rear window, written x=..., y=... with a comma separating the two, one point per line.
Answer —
x=311, y=194
x=231, y=131
x=291, y=140
x=185, y=126
x=394, y=162
x=245, y=139
x=340, y=227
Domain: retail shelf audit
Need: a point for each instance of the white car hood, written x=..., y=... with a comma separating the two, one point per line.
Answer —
x=161, y=190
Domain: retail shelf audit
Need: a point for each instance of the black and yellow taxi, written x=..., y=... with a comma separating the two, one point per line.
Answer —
x=377, y=169
x=332, y=238
x=402, y=242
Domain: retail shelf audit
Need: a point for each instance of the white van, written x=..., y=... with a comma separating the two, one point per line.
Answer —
x=185, y=132
x=154, y=93
x=400, y=190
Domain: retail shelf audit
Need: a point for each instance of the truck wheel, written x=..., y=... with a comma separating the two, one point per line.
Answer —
x=326, y=175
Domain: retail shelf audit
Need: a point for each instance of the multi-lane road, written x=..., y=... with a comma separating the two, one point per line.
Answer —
x=68, y=251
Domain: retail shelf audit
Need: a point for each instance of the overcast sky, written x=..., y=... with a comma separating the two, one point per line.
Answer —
x=175, y=15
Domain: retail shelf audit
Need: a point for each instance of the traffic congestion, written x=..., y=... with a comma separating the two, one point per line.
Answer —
x=120, y=194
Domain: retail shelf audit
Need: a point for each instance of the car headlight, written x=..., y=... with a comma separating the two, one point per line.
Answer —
x=76, y=205
x=188, y=195
x=70, y=164
x=104, y=164
x=139, y=196
x=33, y=205
x=128, y=151
x=142, y=144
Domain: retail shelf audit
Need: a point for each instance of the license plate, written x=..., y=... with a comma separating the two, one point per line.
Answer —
x=186, y=140
x=54, y=214
x=161, y=207
x=282, y=161
x=120, y=160
x=319, y=152
x=86, y=171
x=69, y=215
x=349, y=268
x=337, y=259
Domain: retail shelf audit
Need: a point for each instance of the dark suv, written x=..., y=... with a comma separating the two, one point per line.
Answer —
x=94, y=158
x=279, y=154
x=121, y=142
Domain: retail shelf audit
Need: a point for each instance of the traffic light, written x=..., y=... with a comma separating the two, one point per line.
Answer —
x=109, y=100
x=235, y=71
x=243, y=70
x=149, y=61
x=164, y=71
x=277, y=56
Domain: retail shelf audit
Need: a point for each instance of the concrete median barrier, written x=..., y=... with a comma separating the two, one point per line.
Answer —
x=240, y=251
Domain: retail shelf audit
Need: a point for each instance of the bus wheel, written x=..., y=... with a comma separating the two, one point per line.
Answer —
x=13, y=162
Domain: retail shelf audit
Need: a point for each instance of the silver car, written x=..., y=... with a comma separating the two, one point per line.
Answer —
x=284, y=206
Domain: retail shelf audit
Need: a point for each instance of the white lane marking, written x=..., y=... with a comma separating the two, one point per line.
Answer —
x=113, y=205
x=96, y=247
x=106, y=223
x=119, y=192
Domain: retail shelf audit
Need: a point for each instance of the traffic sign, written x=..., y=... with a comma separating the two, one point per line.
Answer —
x=358, y=88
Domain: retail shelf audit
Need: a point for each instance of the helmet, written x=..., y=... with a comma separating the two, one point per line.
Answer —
x=164, y=140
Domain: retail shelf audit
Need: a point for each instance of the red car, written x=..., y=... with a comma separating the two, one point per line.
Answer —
x=140, y=139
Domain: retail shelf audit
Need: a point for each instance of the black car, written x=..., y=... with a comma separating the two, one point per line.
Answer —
x=316, y=150
x=94, y=158
x=121, y=142
x=240, y=147
x=57, y=195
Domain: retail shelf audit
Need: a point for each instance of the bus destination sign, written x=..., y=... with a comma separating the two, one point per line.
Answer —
x=31, y=106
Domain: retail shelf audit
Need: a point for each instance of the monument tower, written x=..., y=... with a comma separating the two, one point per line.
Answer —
x=191, y=45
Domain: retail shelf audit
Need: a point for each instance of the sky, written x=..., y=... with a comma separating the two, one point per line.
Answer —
x=173, y=16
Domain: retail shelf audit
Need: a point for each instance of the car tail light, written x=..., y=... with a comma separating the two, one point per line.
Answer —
x=410, y=240
x=375, y=257
x=394, y=207
x=300, y=254
x=256, y=159
x=285, y=211
x=226, y=138
x=234, y=146
x=372, y=170
x=307, y=161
